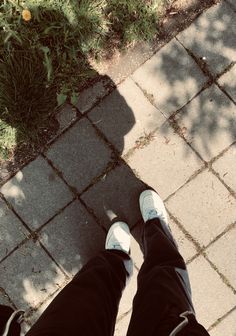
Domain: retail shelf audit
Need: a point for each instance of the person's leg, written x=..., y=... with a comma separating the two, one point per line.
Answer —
x=88, y=305
x=163, y=285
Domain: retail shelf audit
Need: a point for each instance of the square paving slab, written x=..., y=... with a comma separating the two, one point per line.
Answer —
x=29, y=275
x=116, y=194
x=73, y=237
x=209, y=122
x=211, y=297
x=80, y=154
x=36, y=193
x=204, y=207
x=171, y=77
x=12, y=232
x=125, y=115
x=166, y=163
x=212, y=37
x=225, y=167
x=223, y=254
x=226, y=326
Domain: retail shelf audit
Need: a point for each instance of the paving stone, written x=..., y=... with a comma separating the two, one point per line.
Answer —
x=225, y=166
x=170, y=77
x=125, y=115
x=154, y=163
x=36, y=193
x=12, y=232
x=204, y=207
x=186, y=247
x=228, y=82
x=211, y=297
x=65, y=117
x=80, y=235
x=29, y=275
x=128, y=295
x=209, y=122
x=4, y=299
x=223, y=254
x=232, y=3
x=91, y=95
x=226, y=326
x=122, y=325
x=116, y=195
x=80, y=155
x=212, y=37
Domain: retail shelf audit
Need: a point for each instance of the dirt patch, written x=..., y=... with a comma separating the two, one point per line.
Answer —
x=118, y=66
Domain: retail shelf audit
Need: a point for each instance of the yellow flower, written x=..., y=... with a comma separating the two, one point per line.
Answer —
x=26, y=15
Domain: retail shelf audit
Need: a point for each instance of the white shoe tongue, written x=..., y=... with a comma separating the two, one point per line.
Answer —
x=152, y=213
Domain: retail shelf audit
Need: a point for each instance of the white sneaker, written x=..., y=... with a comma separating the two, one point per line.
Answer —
x=152, y=206
x=118, y=237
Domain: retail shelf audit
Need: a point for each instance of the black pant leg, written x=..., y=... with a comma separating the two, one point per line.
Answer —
x=88, y=305
x=163, y=286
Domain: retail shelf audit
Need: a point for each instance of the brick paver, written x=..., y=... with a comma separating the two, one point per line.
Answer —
x=122, y=143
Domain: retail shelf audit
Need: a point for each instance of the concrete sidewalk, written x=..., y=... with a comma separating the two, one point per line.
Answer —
x=170, y=125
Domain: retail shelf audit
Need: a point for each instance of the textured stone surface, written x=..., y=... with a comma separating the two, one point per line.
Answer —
x=225, y=261
x=154, y=163
x=116, y=194
x=12, y=232
x=228, y=82
x=186, y=247
x=226, y=326
x=170, y=77
x=78, y=233
x=204, y=207
x=65, y=117
x=211, y=297
x=30, y=275
x=225, y=167
x=36, y=193
x=80, y=155
x=4, y=299
x=212, y=37
x=125, y=115
x=91, y=95
x=209, y=122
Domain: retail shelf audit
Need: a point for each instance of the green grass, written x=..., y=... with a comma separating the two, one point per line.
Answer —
x=47, y=57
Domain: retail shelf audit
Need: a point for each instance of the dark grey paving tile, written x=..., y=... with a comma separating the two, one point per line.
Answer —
x=30, y=276
x=73, y=237
x=116, y=194
x=80, y=154
x=12, y=232
x=36, y=193
x=125, y=115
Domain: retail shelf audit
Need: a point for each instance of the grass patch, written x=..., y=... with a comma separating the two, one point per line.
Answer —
x=44, y=50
